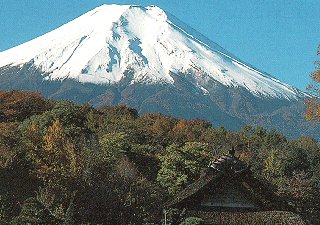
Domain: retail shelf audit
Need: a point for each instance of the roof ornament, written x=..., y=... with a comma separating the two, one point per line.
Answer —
x=229, y=163
x=232, y=151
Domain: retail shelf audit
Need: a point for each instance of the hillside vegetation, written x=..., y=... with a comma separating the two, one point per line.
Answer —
x=63, y=163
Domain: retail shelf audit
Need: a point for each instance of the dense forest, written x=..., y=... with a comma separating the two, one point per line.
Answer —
x=63, y=163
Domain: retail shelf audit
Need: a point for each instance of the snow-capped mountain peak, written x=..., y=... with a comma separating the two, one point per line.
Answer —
x=105, y=44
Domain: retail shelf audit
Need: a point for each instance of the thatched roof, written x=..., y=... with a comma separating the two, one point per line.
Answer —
x=193, y=188
x=236, y=218
x=223, y=170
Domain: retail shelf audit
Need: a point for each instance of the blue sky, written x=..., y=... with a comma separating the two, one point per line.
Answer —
x=279, y=37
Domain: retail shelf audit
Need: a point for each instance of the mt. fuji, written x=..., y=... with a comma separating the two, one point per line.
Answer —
x=148, y=59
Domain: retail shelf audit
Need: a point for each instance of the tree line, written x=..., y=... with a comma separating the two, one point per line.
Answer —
x=64, y=163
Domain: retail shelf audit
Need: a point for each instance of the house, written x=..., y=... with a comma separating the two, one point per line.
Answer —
x=228, y=193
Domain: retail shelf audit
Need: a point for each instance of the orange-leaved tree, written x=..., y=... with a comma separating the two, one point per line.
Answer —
x=313, y=103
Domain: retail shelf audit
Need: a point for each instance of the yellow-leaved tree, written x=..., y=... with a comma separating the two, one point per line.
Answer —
x=61, y=159
x=56, y=163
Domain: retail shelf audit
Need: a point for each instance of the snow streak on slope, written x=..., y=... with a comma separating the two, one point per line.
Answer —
x=104, y=44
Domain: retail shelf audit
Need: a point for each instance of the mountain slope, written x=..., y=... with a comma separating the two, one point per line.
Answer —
x=100, y=46
x=148, y=59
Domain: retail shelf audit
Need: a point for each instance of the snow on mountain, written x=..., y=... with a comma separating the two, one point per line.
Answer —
x=102, y=45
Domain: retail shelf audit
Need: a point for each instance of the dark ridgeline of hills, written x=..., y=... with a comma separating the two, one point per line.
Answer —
x=147, y=59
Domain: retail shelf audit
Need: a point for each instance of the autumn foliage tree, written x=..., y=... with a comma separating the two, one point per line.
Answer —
x=313, y=103
x=190, y=130
x=57, y=158
x=18, y=105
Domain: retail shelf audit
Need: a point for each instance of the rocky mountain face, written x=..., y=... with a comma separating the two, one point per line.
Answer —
x=146, y=58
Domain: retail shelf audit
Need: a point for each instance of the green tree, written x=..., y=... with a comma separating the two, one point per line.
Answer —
x=9, y=143
x=182, y=165
x=192, y=221
x=72, y=117
x=114, y=146
x=274, y=165
x=301, y=193
x=296, y=161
